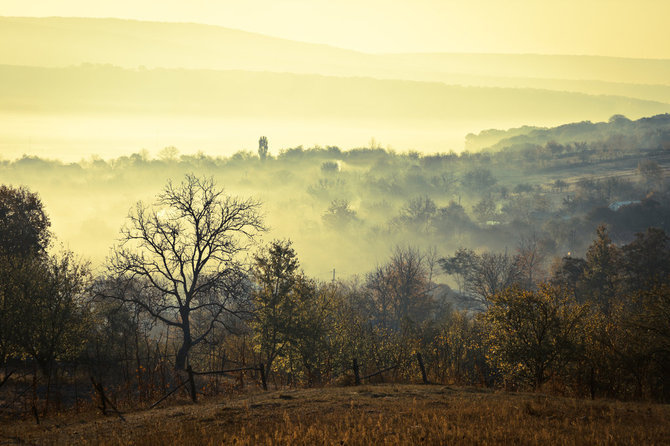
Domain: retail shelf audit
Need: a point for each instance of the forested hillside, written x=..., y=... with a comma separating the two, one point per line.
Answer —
x=360, y=203
x=619, y=132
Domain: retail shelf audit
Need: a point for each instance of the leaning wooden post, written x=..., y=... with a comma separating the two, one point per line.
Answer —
x=167, y=395
x=261, y=368
x=101, y=393
x=6, y=378
x=423, y=369
x=357, y=375
x=105, y=401
x=191, y=382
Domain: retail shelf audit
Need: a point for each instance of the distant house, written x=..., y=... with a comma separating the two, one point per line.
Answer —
x=619, y=204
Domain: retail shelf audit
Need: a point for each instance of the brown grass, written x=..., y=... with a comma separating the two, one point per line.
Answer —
x=381, y=414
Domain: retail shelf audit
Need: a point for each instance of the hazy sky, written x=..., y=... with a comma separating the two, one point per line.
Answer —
x=631, y=28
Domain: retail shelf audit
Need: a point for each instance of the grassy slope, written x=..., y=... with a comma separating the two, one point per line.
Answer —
x=381, y=414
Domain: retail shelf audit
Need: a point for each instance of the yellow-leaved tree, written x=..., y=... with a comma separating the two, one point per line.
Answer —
x=533, y=335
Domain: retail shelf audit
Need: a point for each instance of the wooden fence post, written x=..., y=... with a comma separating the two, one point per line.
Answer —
x=357, y=376
x=35, y=414
x=261, y=368
x=423, y=369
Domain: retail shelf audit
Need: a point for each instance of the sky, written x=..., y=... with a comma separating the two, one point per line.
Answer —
x=621, y=28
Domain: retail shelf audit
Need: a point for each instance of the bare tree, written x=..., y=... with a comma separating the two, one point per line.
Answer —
x=178, y=259
x=401, y=289
x=493, y=273
x=419, y=213
x=482, y=275
x=531, y=255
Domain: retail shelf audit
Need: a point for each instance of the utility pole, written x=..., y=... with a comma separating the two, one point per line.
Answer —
x=333, y=274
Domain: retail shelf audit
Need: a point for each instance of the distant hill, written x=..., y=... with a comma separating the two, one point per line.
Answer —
x=134, y=83
x=59, y=42
x=653, y=130
x=651, y=92
x=582, y=68
x=111, y=90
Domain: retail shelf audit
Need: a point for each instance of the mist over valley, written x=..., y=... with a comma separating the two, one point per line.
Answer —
x=334, y=222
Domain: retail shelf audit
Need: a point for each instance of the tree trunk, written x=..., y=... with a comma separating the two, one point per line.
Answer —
x=539, y=378
x=182, y=354
x=187, y=343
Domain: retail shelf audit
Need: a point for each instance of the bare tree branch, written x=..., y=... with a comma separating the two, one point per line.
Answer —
x=177, y=259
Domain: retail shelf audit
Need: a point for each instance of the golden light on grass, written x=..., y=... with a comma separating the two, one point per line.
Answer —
x=380, y=414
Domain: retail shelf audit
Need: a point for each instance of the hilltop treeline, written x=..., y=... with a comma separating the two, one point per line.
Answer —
x=619, y=132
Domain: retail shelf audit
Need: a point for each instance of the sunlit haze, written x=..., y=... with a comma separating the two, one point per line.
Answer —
x=622, y=28
x=116, y=83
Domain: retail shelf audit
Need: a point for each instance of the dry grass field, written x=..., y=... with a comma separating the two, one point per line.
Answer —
x=374, y=414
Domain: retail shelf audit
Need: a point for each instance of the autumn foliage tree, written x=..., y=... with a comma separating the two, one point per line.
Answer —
x=51, y=315
x=291, y=315
x=24, y=226
x=602, y=276
x=43, y=312
x=24, y=238
x=276, y=275
x=533, y=334
x=626, y=335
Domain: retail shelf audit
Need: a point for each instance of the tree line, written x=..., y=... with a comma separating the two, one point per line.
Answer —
x=187, y=285
x=376, y=197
